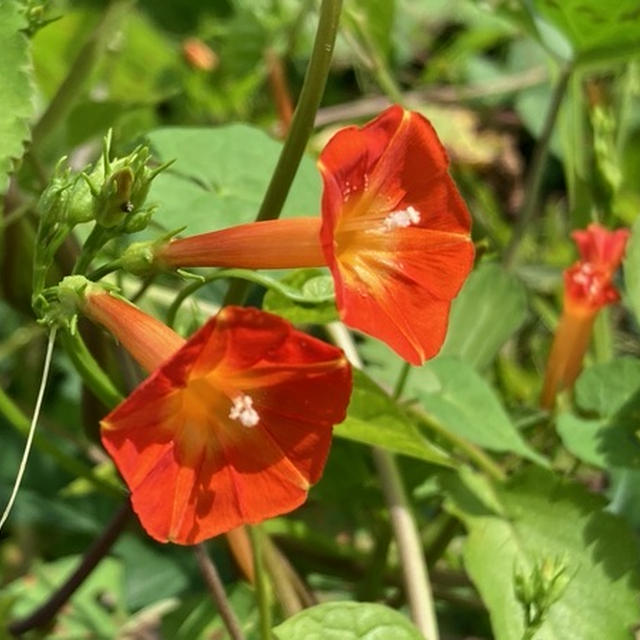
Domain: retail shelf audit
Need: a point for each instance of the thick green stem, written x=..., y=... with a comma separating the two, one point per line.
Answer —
x=80, y=71
x=262, y=583
x=536, y=168
x=91, y=372
x=301, y=126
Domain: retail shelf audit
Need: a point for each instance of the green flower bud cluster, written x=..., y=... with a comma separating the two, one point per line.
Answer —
x=119, y=188
x=538, y=589
x=112, y=194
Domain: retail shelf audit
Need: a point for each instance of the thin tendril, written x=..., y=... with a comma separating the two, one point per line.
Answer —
x=32, y=427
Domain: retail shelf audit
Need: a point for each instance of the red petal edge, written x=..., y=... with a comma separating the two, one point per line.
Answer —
x=394, y=285
x=193, y=471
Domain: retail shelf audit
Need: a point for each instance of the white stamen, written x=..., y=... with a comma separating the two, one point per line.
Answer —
x=402, y=218
x=243, y=411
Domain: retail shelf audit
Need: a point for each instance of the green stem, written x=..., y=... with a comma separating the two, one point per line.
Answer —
x=98, y=237
x=104, y=270
x=240, y=274
x=261, y=584
x=14, y=416
x=401, y=381
x=218, y=595
x=474, y=453
x=301, y=126
x=405, y=530
x=536, y=168
x=378, y=64
x=80, y=71
x=414, y=566
x=43, y=615
x=91, y=372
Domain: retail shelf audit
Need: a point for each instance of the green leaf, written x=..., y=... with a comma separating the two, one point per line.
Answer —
x=592, y=30
x=150, y=573
x=305, y=297
x=611, y=391
x=547, y=518
x=16, y=88
x=632, y=270
x=85, y=615
x=490, y=308
x=196, y=619
x=605, y=388
x=376, y=20
x=463, y=402
x=373, y=418
x=220, y=176
x=347, y=621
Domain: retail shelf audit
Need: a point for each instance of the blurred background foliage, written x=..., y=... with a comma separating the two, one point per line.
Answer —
x=489, y=75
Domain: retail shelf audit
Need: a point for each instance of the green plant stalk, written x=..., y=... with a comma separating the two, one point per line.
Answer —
x=401, y=381
x=80, y=71
x=44, y=614
x=90, y=371
x=20, y=423
x=536, y=168
x=239, y=274
x=283, y=585
x=414, y=567
x=311, y=93
x=405, y=530
x=474, y=453
x=262, y=582
x=98, y=237
x=380, y=68
x=218, y=595
x=104, y=270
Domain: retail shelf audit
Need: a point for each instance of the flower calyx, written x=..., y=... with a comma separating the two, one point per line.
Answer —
x=59, y=305
x=141, y=258
x=119, y=188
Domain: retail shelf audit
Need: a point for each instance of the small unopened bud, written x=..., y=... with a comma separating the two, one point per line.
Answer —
x=199, y=55
x=539, y=588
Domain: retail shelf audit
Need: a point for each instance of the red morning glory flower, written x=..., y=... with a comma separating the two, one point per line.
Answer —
x=587, y=288
x=394, y=232
x=587, y=283
x=232, y=426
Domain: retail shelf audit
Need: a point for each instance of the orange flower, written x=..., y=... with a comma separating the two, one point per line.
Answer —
x=232, y=426
x=394, y=233
x=199, y=55
x=587, y=288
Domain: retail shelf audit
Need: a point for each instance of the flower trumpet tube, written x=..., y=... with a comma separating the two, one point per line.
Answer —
x=394, y=232
x=232, y=426
x=587, y=288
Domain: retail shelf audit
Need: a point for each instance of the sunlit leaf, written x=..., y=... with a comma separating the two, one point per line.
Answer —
x=16, y=88
x=347, y=621
x=462, y=401
x=374, y=419
x=220, y=176
x=547, y=518
x=490, y=308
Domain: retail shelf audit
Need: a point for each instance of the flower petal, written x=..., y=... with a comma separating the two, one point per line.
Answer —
x=395, y=231
x=195, y=468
